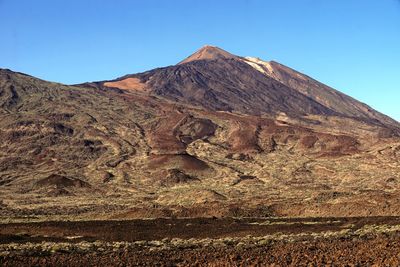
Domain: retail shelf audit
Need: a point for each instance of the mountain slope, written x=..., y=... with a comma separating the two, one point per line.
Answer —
x=228, y=85
x=209, y=137
x=319, y=92
x=215, y=79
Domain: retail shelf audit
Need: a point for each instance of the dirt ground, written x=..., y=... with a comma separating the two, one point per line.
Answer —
x=368, y=241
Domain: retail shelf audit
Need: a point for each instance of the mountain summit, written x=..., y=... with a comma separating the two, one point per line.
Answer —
x=208, y=52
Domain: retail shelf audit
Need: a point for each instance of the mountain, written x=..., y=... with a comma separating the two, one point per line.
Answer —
x=215, y=79
x=214, y=135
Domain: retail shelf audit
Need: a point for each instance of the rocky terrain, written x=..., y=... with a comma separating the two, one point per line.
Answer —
x=204, y=242
x=215, y=135
x=221, y=160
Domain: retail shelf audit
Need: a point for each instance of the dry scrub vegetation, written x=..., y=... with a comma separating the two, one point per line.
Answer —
x=70, y=152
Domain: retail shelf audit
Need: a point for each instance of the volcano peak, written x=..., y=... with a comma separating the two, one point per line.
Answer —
x=208, y=52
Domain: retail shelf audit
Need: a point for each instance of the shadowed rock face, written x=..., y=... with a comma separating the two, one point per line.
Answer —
x=216, y=134
x=323, y=94
x=60, y=181
x=229, y=85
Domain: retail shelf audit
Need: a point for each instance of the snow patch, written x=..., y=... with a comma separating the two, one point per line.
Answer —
x=262, y=66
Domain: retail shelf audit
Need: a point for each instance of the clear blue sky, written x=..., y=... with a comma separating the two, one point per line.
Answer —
x=351, y=45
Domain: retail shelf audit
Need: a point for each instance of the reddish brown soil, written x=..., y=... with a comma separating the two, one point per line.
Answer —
x=127, y=84
x=157, y=229
x=385, y=252
x=367, y=250
x=185, y=162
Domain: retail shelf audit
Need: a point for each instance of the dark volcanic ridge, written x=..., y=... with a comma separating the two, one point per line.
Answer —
x=214, y=79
